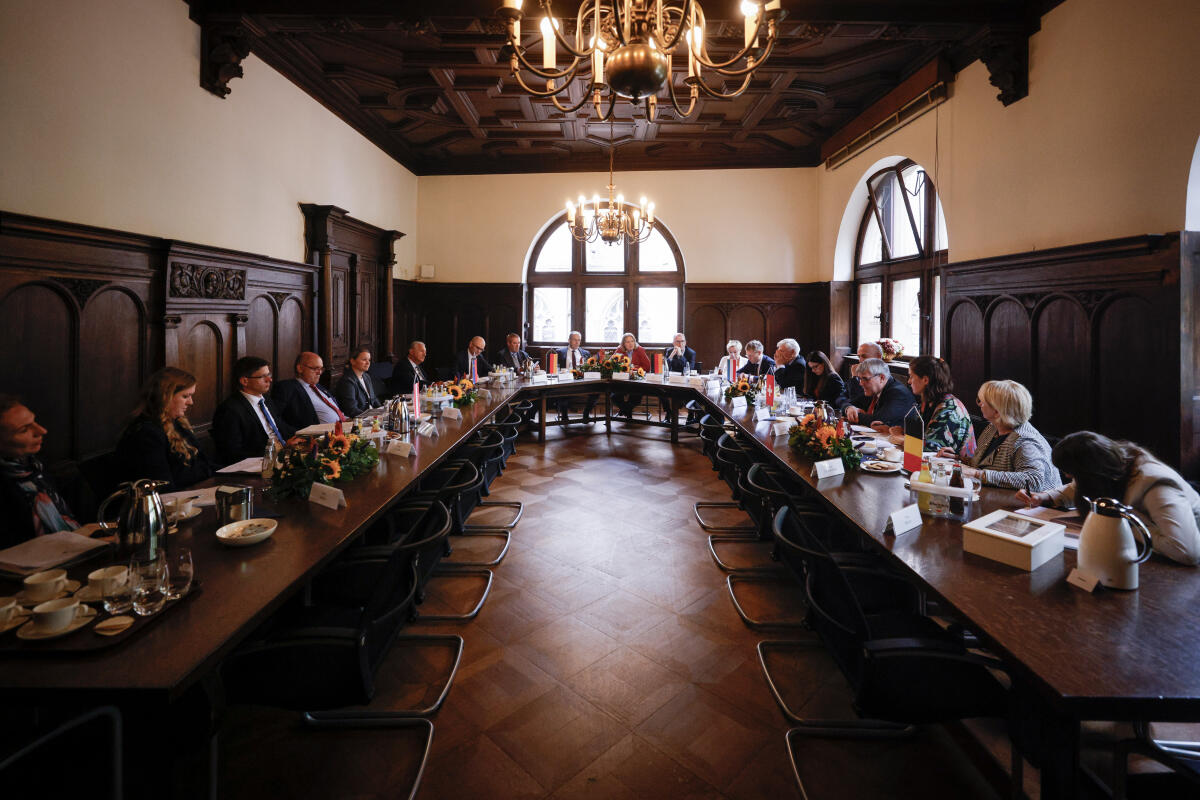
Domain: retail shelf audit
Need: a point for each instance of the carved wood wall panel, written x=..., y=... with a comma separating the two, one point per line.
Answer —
x=446, y=315
x=90, y=314
x=1095, y=331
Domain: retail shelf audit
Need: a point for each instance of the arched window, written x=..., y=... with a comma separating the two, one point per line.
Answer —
x=603, y=290
x=901, y=248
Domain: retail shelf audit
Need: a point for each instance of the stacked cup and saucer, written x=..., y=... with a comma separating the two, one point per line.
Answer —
x=55, y=612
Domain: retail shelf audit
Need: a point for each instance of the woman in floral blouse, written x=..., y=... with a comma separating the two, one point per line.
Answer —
x=947, y=421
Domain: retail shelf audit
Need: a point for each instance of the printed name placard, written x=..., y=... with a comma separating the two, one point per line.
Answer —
x=903, y=520
x=399, y=447
x=539, y=377
x=326, y=496
x=782, y=428
x=679, y=380
x=450, y=412
x=620, y=376
x=738, y=403
x=426, y=429
x=763, y=412
x=1082, y=580
x=591, y=376
x=830, y=467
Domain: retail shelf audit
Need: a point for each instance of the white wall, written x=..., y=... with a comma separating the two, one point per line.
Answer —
x=754, y=225
x=105, y=123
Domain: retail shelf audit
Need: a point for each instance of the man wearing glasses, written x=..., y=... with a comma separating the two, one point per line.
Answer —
x=302, y=401
x=246, y=420
x=886, y=399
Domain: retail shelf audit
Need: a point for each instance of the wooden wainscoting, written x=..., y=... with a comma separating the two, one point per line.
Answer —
x=447, y=315
x=87, y=314
x=1094, y=331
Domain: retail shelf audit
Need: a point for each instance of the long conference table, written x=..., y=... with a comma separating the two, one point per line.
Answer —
x=1108, y=656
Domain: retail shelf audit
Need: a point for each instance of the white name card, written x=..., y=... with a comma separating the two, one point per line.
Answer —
x=834, y=466
x=762, y=412
x=698, y=382
x=738, y=402
x=326, y=496
x=539, y=377
x=450, y=412
x=783, y=428
x=1082, y=580
x=426, y=429
x=399, y=447
x=620, y=376
x=903, y=520
x=678, y=380
x=591, y=376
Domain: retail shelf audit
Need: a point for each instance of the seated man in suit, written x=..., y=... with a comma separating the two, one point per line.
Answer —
x=680, y=357
x=356, y=391
x=303, y=401
x=790, y=367
x=572, y=357
x=246, y=420
x=409, y=370
x=758, y=363
x=887, y=399
x=512, y=355
x=854, y=393
x=473, y=353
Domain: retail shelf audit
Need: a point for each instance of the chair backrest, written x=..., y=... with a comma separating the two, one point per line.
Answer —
x=425, y=537
x=381, y=370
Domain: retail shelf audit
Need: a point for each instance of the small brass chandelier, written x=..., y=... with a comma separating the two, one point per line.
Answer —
x=615, y=223
x=624, y=48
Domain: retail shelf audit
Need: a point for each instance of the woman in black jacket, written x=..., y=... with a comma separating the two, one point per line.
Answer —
x=30, y=505
x=822, y=381
x=158, y=442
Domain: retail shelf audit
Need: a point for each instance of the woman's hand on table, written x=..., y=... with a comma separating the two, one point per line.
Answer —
x=948, y=452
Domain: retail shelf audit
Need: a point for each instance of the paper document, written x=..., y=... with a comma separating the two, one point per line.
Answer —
x=317, y=430
x=204, y=497
x=252, y=465
x=45, y=552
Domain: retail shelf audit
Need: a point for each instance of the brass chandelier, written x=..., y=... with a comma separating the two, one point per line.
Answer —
x=615, y=223
x=625, y=48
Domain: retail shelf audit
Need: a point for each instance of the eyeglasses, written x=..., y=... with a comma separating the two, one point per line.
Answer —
x=266, y=377
x=309, y=368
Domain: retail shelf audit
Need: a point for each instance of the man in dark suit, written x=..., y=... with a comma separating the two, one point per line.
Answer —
x=887, y=399
x=409, y=370
x=758, y=363
x=474, y=351
x=303, y=401
x=246, y=420
x=854, y=393
x=790, y=366
x=680, y=357
x=572, y=357
x=512, y=355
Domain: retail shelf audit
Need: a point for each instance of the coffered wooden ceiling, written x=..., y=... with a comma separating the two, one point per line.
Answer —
x=424, y=80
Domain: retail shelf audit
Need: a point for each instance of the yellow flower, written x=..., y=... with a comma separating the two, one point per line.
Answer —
x=466, y=384
x=641, y=372
x=456, y=393
x=743, y=385
x=808, y=418
x=333, y=469
x=339, y=444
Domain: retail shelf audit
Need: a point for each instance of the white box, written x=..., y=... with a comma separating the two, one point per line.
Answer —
x=1014, y=539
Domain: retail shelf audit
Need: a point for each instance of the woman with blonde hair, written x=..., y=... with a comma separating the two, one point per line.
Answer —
x=733, y=352
x=158, y=442
x=1010, y=451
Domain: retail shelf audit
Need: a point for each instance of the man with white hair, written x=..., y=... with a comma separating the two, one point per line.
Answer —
x=680, y=357
x=887, y=399
x=854, y=393
x=790, y=366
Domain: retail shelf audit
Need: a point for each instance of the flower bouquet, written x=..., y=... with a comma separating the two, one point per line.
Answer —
x=605, y=365
x=334, y=458
x=636, y=373
x=462, y=393
x=741, y=389
x=892, y=348
x=821, y=440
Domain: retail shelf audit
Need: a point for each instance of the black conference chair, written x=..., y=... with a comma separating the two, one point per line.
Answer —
x=486, y=452
x=1182, y=758
x=731, y=461
x=29, y=763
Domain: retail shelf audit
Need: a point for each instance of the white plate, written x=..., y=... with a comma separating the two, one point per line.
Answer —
x=89, y=594
x=26, y=600
x=85, y=617
x=15, y=620
x=879, y=467
x=232, y=535
x=183, y=517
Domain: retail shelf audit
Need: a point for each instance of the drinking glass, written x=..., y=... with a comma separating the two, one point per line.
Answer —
x=117, y=598
x=179, y=573
x=147, y=584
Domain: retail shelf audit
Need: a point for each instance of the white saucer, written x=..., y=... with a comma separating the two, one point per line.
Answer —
x=89, y=594
x=15, y=621
x=85, y=617
x=885, y=468
x=232, y=535
x=174, y=518
x=26, y=600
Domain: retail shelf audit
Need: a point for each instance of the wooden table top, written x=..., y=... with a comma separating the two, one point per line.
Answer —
x=1109, y=655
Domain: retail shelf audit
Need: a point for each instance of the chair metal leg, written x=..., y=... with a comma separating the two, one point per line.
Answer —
x=483, y=532
x=113, y=714
x=347, y=718
x=417, y=723
x=458, y=573
x=758, y=624
x=719, y=538
x=519, y=506
x=744, y=529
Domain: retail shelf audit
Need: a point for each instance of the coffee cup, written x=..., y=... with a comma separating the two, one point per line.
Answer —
x=868, y=447
x=55, y=615
x=8, y=609
x=105, y=579
x=893, y=454
x=43, y=585
x=180, y=507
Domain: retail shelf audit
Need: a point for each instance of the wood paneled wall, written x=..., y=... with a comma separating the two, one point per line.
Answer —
x=88, y=314
x=447, y=315
x=1095, y=331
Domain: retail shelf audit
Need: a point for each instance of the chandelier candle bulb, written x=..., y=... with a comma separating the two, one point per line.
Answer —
x=549, y=51
x=751, y=13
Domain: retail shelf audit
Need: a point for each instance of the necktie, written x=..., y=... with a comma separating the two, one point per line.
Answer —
x=321, y=394
x=262, y=405
x=874, y=402
x=417, y=371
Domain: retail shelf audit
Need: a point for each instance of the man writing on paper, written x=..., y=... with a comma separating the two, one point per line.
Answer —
x=303, y=401
x=409, y=370
x=572, y=357
x=472, y=357
x=246, y=420
x=887, y=399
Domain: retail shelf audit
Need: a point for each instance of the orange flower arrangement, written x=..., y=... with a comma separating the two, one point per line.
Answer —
x=332, y=469
x=339, y=444
x=336, y=457
x=820, y=440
